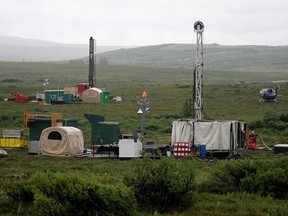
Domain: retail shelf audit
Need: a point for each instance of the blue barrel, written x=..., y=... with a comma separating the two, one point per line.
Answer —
x=202, y=150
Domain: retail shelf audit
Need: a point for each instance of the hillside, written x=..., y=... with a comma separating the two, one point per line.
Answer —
x=216, y=57
x=22, y=49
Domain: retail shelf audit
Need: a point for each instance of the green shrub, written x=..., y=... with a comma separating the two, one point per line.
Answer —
x=48, y=206
x=153, y=127
x=71, y=194
x=274, y=127
x=260, y=176
x=19, y=191
x=279, y=210
x=162, y=185
x=284, y=117
x=11, y=118
x=11, y=80
x=227, y=176
x=5, y=204
x=271, y=121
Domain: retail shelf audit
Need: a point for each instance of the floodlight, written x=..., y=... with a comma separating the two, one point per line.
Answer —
x=140, y=111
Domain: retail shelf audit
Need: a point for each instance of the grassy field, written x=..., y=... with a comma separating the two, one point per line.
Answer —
x=168, y=89
x=231, y=102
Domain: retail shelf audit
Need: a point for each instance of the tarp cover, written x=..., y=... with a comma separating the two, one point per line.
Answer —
x=91, y=95
x=61, y=141
x=216, y=135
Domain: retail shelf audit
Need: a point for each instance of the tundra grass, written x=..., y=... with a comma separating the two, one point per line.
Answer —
x=227, y=101
x=168, y=89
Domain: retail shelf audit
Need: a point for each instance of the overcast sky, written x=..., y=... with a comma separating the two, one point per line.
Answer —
x=147, y=22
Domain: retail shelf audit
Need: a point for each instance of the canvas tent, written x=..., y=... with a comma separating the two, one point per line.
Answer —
x=215, y=135
x=92, y=95
x=61, y=141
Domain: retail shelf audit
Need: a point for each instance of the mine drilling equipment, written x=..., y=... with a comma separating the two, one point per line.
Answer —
x=92, y=73
x=198, y=72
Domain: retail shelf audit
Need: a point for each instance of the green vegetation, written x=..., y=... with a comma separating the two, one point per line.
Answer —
x=254, y=185
x=11, y=80
x=165, y=185
x=80, y=186
x=216, y=57
x=71, y=194
x=261, y=176
x=274, y=125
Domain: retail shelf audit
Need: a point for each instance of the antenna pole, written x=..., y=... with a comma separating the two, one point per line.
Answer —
x=198, y=71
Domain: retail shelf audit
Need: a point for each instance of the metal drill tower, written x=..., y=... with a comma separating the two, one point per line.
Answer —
x=92, y=75
x=198, y=71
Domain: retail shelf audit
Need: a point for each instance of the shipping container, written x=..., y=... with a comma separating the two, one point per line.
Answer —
x=54, y=96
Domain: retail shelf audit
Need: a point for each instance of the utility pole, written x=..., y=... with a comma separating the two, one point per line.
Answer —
x=198, y=71
x=92, y=75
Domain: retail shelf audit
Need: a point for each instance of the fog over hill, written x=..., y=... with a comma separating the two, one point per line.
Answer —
x=216, y=57
x=23, y=49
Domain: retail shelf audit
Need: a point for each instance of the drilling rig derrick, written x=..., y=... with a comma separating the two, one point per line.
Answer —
x=92, y=76
x=198, y=71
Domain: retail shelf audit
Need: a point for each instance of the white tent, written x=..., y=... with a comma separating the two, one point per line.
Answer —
x=215, y=135
x=61, y=141
x=91, y=95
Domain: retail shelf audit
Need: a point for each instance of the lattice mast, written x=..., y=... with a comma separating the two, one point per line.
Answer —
x=198, y=71
x=92, y=74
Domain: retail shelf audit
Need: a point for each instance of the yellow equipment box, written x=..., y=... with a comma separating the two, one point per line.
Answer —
x=13, y=143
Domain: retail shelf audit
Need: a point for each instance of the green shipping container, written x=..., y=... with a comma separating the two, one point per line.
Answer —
x=95, y=135
x=67, y=98
x=36, y=126
x=68, y=122
x=105, y=133
x=110, y=132
x=95, y=132
x=54, y=96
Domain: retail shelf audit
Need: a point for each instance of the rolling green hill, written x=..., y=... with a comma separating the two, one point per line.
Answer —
x=216, y=57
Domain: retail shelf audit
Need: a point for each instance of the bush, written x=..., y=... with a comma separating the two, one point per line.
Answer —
x=11, y=80
x=261, y=176
x=271, y=121
x=71, y=194
x=226, y=177
x=20, y=191
x=284, y=117
x=162, y=185
x=274, y=127
x=11, y=118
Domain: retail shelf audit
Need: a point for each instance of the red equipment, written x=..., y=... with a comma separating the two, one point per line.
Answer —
x=252, y=141
x=19, y=97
